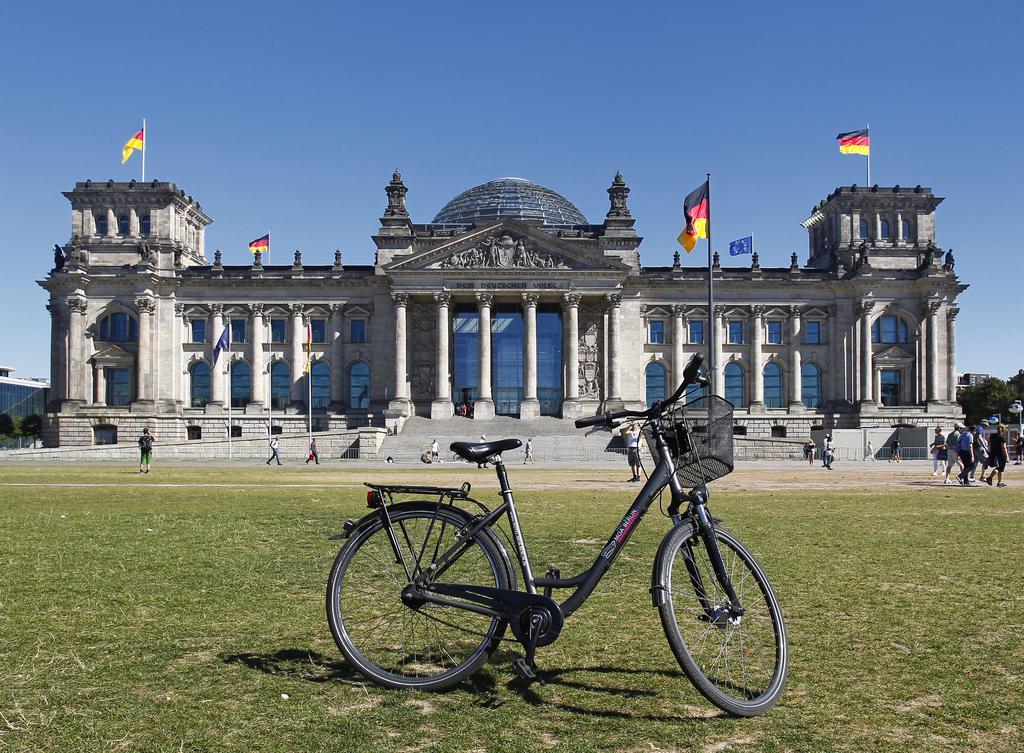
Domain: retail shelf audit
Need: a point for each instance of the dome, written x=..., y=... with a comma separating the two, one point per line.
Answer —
x=510, y=197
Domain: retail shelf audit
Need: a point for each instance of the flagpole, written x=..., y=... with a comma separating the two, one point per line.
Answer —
x=309, y=382
x=868, y=129
x=711, y=304
x=270, y=383
x=145, y=138
x=231, y=454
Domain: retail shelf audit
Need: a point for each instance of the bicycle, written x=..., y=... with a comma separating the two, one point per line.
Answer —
x=422, y=591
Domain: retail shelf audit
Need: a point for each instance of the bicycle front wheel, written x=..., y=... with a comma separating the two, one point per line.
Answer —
x=738, y=662
x=426, y=646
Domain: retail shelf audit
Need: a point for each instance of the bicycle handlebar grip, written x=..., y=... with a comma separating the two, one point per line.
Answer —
x=582, y=423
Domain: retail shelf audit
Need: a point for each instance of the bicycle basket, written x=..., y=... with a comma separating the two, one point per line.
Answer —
x=699, y=437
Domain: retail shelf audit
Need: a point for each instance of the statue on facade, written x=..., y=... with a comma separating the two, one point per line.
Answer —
x=950, y=262
x=58, y=257
x=396, y=192
x=146, y=254
x=862, y=253
x=298, y=258
x=502, y=253
x=177, y=257
x=617, y=195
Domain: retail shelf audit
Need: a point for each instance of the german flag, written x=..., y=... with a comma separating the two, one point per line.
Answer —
x=855, y=142
x=261, y=245
x=135, y=142
x=695, y=210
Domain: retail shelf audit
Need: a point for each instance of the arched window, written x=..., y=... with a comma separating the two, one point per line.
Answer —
x=280, y=385
x=905, y=230
x=735, y=384
x=144, y=225
x=241, y=384
x=101, y=224
x=885, y=229
x=889, y=329
x=864, y=229
x=359, y=386
x=199, y=384
x=772, y=385
x=119, y=327
x=656, y=379
x=321, y=376
x=810, y=386
x=123, y=225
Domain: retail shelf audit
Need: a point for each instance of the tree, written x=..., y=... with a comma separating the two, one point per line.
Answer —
x=985, y=398
x=1016, y=383
x=6, y=425
x=32, y=426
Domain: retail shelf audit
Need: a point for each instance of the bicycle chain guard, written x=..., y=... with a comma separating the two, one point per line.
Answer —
x=514, y=606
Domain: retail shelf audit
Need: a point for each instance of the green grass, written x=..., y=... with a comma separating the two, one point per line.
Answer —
x=150, y=618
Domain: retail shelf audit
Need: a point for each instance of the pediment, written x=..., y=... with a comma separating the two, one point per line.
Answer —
x=893, y=355
x=112, y=353
x=507, y=246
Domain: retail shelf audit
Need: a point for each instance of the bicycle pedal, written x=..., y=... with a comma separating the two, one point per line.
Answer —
x=524, y=669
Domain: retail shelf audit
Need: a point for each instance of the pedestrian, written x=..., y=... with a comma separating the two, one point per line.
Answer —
x=631, y=435
x=314, y=454
x=938, y=450
x=809, y=451
x=275, y=451
x=435, y=451
x=1020, y=449
x=965, y=448
x=828, y=452
x=981, y=449
x=145, y=450
x=997, y=456
x=896, y=450
x=529, y=452
x=952, y=456
x=390, y=460
x=869, y=454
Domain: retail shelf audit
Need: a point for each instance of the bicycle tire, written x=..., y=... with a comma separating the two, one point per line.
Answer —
x=388, y=664
x=679, y=557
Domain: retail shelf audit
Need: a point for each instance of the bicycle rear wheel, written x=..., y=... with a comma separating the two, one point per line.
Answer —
x=425, y=646
x=739, y=663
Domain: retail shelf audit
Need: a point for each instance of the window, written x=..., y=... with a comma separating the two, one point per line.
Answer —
x=779, y=432
x=905, y=230
x=885, y=229
x=238, y=330
x=775, y=333
x=864, y=230
x=119, y=386
x=277, y=330
x=772, y=385
x=200, y=384
x=320, y=373
x=889, y=329
x=119, y=327
x=656, y=331
x=735, y=385
x=359, y=386
x=241, y=384
x=696, y=333
x=739, y=431
x=198, y=330
x=280, y=385
x=656, y=379
x=104, y=434
x=236, y=431
x=144, y=227
x=735, y=333
x=812, y=333
x=193, y=432
x=890, y=383
x=101, y=224
x=358, y=330
x=318, y=328
x=810, y=386
x=123, y=225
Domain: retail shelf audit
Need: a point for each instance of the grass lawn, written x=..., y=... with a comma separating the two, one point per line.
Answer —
x=174, y=612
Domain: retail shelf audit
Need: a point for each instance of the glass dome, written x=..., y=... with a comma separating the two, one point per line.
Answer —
x=510, y=197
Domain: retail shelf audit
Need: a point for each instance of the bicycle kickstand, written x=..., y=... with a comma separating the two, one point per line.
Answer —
x=526, y=667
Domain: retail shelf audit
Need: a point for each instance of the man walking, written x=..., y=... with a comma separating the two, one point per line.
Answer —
x=980, y=448
x=275, y=451
x=997, y=456
x=1020, y=449
x=952, y=456
x=145, y=450
x=938, y=450
x=314, y=454
x=870, y=453
x=529, y=452
x=828, y=452
x=965, y=449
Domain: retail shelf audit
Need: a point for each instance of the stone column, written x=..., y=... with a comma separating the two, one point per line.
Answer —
x=111, y=223
x=257, y=358
x=530, y=405
x=795, y=360
x=571, y=407
x=297, y=355
x=76, y=378
x=338, y=400
x=99, y=381
x=678, y=337
x=866, y=366
x=442, y=404
x=217, y=370
x=613, y=302
x=401, y=398
x=932, y=351
x=483, y=408
x=146, y=307
x=58, y=354
x=757, y=359
x=718, y=322
x=951, y=312
x=133, y=223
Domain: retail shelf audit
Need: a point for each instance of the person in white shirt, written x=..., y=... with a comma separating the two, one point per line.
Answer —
x=435, y=451
x=631, y=435
x=529, y=452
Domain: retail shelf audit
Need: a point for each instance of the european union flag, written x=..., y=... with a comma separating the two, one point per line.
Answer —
x=223, y=343
x=742, y=246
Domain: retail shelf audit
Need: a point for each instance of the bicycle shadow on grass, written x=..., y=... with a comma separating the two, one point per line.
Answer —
x=300, y=664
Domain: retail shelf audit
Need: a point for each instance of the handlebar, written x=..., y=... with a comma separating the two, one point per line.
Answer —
x=691, y=375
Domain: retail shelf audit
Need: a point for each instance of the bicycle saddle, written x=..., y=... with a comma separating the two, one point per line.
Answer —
x=477, y=452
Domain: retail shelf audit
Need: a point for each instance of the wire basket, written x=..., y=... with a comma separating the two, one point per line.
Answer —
x=699, y=437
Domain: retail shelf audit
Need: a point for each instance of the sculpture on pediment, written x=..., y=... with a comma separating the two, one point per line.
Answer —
x=146, y=254
x=58, y=257
x=502, y=253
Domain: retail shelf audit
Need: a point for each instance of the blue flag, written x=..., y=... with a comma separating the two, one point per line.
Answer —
x=222, y=344
x=742, y=246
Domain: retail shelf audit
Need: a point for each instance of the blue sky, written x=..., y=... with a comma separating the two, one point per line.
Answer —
x=292, y=116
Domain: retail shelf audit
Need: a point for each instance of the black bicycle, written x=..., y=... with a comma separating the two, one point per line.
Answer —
x=423, y=590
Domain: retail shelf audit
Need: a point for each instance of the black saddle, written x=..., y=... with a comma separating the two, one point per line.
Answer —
x=478, y=452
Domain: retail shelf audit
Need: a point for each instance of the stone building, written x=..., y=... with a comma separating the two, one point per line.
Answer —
x=509, y=301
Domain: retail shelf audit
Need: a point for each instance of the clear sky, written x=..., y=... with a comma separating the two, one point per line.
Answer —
x=292, y=116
